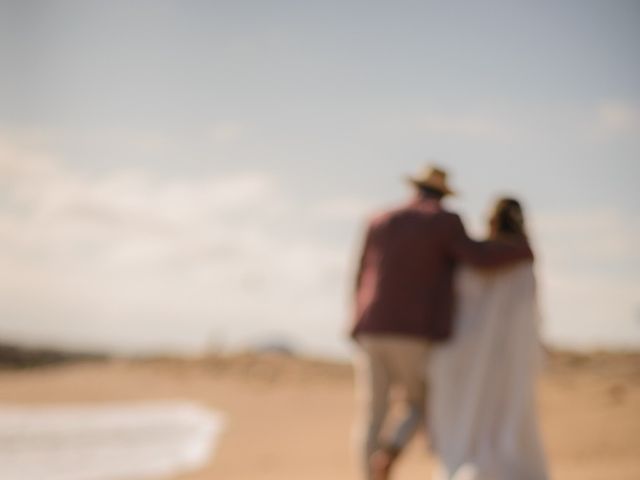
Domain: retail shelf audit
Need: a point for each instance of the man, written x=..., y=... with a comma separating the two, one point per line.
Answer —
x=404, y=300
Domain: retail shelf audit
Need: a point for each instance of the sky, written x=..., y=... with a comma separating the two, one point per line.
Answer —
x=191, y=175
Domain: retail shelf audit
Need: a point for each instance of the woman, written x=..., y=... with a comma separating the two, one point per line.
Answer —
x=482, y=413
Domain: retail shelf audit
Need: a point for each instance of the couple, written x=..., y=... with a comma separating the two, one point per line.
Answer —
x=452, y=324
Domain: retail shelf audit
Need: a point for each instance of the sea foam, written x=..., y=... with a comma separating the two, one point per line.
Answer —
x=106, y=441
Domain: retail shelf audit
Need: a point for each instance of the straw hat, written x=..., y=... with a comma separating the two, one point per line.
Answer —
x=432, y=177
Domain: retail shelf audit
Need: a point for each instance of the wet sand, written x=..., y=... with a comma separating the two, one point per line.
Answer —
x=291, y=419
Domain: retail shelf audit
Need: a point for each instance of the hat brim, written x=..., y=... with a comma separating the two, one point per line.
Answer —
x=421, y=183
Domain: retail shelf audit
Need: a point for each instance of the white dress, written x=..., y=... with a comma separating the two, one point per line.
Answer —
x=482, y=402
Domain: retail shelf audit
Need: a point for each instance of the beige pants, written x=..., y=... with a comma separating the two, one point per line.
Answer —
x=385, y=363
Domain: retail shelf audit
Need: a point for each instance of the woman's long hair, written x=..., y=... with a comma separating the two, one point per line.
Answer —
x=507, y=219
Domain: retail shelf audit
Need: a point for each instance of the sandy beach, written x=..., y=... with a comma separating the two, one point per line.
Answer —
x=291, y=418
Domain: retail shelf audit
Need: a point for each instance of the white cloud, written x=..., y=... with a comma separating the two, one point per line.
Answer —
x=589, y=310
x=353, y=209
x=601, y=235
x=619, y=117
x=15, y=169
x=590, y=273
x=130, y=259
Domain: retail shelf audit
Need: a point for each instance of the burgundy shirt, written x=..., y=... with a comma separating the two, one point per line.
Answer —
x=404, y=284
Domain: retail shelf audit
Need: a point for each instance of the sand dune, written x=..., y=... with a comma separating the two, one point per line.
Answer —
x=291, y=418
